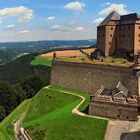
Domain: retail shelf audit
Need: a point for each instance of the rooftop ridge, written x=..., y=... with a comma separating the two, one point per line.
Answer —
x=112, y=16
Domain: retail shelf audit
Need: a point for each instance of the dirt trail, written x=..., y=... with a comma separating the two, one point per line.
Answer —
x=18, y=125
x=20, y=132
x=76, y=109
x=116, y=128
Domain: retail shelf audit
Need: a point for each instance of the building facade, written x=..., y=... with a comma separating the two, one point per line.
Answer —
x=119, y=33
x=114, y=104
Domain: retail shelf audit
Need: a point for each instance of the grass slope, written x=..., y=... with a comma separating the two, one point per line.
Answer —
x=40, y=60
x=50, y=117
x=7, y=127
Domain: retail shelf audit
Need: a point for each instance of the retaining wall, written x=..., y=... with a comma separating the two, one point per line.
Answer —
x=89, y=78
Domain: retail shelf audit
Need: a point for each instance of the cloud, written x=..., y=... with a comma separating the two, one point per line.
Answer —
x=120, y=8
x=73, y=22
x=58, y=27
x=98, y=20
x=23, y=13
x=75, y=6
x=106, y=3
x=24, y=31
x=1, y=20
x=9, y=27
x=80, y=29
x=51, y=17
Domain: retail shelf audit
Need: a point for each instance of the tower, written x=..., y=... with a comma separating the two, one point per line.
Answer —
x=106, y=34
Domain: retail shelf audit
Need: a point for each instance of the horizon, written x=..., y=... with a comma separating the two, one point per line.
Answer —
x=28, y=21
x=46, y=40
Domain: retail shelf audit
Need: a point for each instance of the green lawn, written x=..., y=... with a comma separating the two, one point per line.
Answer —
x=7, y=127
x=40, y=60
x=50, y=118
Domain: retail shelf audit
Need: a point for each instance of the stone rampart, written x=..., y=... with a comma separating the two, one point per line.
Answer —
x=89, y=78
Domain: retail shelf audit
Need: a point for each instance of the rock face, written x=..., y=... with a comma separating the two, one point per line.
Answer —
x=89, y=77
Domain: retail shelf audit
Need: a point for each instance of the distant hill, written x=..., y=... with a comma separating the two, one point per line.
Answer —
x=41, y=46
x=7, y=56
x=20, y=68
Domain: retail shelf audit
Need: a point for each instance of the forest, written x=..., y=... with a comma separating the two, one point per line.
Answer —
x=19, y=81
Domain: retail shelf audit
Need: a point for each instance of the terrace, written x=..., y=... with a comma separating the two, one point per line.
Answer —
x=83, y=56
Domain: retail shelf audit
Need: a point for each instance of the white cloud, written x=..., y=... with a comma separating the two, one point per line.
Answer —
x=51, y=17
x=75, y=6
x=73, y=22
x=1, y=20
x=24, y=31
x=23, y=13
x=9, y=27
x=106, y=3
x=99, y=20
x=120, y=8
x=80, y=29
x=57, y=27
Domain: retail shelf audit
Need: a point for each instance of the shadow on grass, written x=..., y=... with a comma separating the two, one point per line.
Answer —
x=86, y=110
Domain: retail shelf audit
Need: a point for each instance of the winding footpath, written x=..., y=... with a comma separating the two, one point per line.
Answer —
x=114, y=130
x=20, y=132
x=76, y=109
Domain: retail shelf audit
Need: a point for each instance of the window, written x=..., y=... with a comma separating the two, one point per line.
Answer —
x=118, y=116
x=139, y=27
x=109, y=43
x=139, y=35
x=111, y=28
x=123, y=35
x=111, y=35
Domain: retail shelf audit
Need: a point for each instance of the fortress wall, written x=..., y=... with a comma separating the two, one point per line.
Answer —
x=116, y=111
x=89, y=78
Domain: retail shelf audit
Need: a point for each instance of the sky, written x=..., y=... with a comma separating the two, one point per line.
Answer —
x=31, y=20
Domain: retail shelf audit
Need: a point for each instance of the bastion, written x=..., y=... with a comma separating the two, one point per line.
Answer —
x=89, y=78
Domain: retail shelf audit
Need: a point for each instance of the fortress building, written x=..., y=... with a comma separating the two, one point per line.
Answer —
x=119, y=33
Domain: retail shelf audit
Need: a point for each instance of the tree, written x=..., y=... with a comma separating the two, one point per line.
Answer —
x=2, y=112
x=7, y=97
x=20, y=93
x=33, y=84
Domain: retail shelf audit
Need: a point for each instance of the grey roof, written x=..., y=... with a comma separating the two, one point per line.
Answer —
x=133, y=16
x=112, y=16
x=129, y=19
